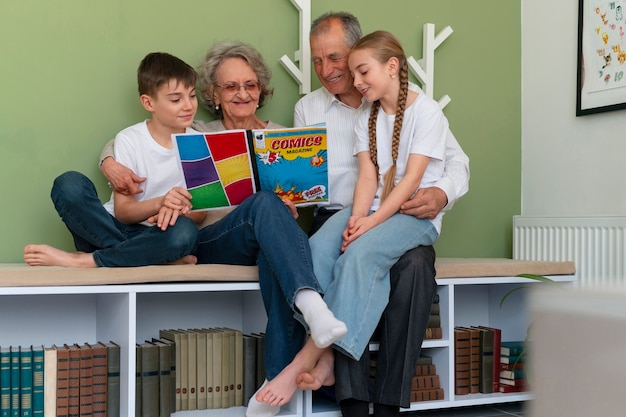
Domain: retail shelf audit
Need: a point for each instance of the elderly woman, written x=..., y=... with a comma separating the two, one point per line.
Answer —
x=233, y=84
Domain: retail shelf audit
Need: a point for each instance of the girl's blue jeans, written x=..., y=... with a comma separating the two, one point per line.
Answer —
x=356, y=282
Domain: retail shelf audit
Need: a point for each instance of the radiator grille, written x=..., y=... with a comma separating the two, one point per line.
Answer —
x=595, y=244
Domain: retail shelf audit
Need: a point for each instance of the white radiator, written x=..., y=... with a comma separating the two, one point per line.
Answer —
x=597, y=245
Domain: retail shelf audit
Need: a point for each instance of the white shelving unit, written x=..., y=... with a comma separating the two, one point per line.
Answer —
x=128, y=314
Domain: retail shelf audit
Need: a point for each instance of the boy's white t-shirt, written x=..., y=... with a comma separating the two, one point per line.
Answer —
x=424, y=131
x=136, y=149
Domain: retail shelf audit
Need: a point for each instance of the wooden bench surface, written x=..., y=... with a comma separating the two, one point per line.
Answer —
x=22, y=275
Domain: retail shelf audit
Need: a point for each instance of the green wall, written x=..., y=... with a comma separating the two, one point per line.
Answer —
x=67, y=79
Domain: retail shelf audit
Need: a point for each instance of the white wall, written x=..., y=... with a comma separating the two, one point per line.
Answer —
x=571, y=166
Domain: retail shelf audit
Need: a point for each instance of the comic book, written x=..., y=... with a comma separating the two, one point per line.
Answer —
x=222, y=169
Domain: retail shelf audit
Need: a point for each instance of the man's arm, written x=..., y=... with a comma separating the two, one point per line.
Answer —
x=121, y=178
x=454, y=184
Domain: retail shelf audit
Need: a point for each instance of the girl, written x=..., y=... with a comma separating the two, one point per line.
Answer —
x=400, y=146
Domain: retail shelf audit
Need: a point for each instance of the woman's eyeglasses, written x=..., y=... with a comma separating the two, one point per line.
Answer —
x=252, y=87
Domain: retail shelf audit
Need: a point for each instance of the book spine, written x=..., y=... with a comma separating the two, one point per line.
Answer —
x=15, y=381
x=86, y=381
x=149, y=380
x=74, y=382
x=5, y=382
x=38, y=381
x=461, y=361
x=99, y=380
x=113, y=379
x=63, y=381
x=26, y=381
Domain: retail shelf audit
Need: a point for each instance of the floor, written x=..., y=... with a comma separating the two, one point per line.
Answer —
x=497, y=410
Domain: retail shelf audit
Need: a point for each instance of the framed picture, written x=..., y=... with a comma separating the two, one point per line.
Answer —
x=601, y=81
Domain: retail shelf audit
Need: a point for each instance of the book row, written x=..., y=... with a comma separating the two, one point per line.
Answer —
x=197, y=369
x=483, y=363
x=61, y=381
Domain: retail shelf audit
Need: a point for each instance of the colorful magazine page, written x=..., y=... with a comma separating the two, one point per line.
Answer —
x=217, y=168
x=293, y=163
x=222, y=169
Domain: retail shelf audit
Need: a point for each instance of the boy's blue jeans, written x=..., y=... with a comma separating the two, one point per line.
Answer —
x=261, y=231
x=112, y=242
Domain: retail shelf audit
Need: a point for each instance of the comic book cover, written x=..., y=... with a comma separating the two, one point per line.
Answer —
x=222, y=169
x=293, y=162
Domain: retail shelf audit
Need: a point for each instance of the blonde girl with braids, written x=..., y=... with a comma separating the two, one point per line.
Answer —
x=400, y=143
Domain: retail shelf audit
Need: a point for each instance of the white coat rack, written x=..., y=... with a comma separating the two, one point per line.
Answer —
x=302, y=75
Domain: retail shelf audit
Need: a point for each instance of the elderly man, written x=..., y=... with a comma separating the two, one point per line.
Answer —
x=402, y=326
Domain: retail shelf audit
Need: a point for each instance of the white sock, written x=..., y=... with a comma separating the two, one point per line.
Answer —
x=325, y=327
x=260, y=409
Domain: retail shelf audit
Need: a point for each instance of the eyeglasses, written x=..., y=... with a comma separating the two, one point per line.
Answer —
x=252, y=87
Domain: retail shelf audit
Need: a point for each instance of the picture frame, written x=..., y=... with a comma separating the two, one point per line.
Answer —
x=601, y=72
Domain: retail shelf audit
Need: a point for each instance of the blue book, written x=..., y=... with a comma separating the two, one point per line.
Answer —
x=5, y=382
x=513, y=348
x=15, y=381
x=38, y=364
x=26, y=381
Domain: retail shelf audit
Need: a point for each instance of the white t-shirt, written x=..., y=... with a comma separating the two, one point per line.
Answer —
x=424, y=131
x=136, y=149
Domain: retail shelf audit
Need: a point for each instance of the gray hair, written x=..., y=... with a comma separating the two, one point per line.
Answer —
x=207, y=78
x=350, y=23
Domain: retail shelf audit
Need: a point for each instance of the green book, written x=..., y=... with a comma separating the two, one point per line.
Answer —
x=38, y=388
x=26, y=381
x=149, y=380
x=113, y=379
x=15, y=381
x=5, y=382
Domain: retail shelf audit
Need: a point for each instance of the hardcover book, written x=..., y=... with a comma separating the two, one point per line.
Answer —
x=486, y=361
x=38, y=383
x=15, y=381
x=149, y=379
x=165, y=378
x=86, y=381
x=26, y=381
x=99, y=379
x=249, y=368
x=222, y=169
x=74, y=381
x=174, y=337
x=497, y=342
x=512, y=348
x=461, y=361
x=113, y=379
x=5, y=382
x=63, y=381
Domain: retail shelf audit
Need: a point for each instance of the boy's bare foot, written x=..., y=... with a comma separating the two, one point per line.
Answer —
x=185, y=260
x=45, y=255
x=322, y=374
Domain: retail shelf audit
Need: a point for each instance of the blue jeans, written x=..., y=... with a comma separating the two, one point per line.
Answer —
x=261, y=231
x=356, y=282
x=112, y=242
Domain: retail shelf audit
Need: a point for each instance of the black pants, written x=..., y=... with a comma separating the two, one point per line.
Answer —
x=402, y=328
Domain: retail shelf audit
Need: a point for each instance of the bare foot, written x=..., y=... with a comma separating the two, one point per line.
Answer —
x=45, y=255
x=279, y=390
x=322, y=374
x=185, y=260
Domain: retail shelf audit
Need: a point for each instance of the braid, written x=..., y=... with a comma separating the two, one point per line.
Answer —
x=372, y=132
x=390, y=175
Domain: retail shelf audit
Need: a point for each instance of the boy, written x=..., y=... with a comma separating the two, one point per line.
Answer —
x=155, y=226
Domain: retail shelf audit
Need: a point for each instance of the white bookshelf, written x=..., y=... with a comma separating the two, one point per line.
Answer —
x=128, y=314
